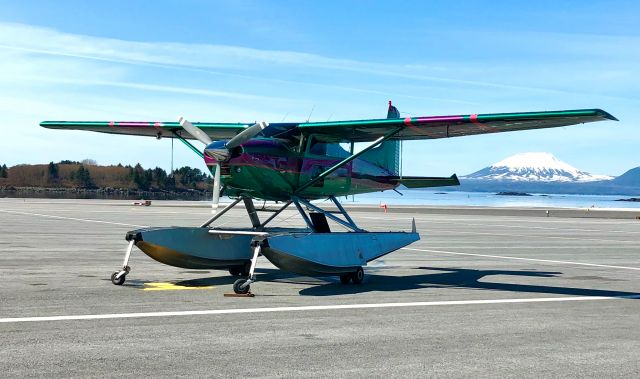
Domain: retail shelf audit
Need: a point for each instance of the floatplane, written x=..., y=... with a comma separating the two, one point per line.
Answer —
x=297, y=163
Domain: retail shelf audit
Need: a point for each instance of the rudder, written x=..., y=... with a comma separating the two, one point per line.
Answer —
x=387, y=155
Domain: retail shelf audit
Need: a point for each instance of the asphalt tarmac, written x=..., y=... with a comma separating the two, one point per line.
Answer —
x=484, y=294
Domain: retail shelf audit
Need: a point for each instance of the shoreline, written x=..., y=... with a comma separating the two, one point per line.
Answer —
x=107, y=193
x=610, y=213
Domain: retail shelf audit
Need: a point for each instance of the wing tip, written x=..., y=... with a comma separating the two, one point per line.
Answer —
x=606, y=115
x=47, y=124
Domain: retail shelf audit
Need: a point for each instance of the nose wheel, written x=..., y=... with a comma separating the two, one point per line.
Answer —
x=118, y=278
x=242, y=286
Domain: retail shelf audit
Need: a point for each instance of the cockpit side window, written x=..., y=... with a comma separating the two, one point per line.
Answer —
x=332, y=149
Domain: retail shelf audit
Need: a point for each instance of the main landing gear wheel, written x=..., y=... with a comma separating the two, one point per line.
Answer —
x=345, y=278
x=237, y=287
x=118, y=281
x=246, y=269
x=243, y=270
x=358, y=276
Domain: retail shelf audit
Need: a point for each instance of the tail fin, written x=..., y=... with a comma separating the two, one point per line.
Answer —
x=393, y=111
x=387, y=155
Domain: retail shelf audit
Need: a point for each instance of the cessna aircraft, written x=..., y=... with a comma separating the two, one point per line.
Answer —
x=296, y=163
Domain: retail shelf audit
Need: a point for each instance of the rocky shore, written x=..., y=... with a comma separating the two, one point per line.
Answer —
x=101, y=193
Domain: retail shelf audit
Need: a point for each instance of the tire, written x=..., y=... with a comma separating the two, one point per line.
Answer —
x=358, y=276
x=345, y=278
x=118, y=281
x=238, y=289
x=244, y=271
x=235, y=271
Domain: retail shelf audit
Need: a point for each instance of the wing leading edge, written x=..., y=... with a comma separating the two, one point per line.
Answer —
x=148, y=128
x=434, y=127
x=412, y=128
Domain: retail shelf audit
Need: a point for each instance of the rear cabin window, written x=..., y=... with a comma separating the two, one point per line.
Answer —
x=331, y=149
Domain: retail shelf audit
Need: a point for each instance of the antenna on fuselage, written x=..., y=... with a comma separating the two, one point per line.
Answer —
x=310, y=113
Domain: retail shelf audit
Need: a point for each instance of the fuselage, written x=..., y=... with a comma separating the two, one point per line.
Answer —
x=272, y=170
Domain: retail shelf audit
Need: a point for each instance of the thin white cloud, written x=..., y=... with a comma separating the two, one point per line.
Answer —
x=47, y=74
x=148, y=87
x=249, y=63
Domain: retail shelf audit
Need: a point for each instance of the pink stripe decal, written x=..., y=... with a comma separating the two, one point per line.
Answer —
x=474, y=120
x=407, y=122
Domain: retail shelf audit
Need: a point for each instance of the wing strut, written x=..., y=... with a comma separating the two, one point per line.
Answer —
x=189, y=145
x=343, y=162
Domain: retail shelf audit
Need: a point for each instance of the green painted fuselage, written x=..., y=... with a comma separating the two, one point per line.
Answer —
x=272, y=170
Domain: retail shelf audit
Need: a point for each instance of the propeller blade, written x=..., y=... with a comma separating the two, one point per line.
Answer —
x=246, y=134
x=195, y=132
x=216, y=189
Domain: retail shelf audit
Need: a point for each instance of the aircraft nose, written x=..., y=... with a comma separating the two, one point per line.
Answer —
x=216, y=151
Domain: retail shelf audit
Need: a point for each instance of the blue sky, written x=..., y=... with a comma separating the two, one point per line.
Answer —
x=260, y=60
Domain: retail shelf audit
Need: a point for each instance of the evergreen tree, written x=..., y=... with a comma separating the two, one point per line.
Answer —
x=83, y=177
x=190, y=177
x=52, y=173
x=159, y=177
x=140, y=178
x=169, y=182
x=148, y=177
x=4, y=171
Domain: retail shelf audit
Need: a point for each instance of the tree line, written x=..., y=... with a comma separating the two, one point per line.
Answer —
x=87, y=174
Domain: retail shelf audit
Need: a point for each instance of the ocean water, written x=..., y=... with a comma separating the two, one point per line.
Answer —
x=488, y=199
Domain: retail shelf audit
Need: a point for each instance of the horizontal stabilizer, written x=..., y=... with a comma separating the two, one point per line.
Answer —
x=425, y=182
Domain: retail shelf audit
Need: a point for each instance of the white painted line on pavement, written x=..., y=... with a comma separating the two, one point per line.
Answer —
x=521, y=259
x=309, y=308
x=459, y=245
x=453, y=232
x=71, y=218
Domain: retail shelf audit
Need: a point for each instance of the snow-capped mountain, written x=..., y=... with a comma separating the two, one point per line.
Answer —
x=534, y=167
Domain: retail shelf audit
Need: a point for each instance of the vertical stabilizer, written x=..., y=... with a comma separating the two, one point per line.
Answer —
x=393, y=111
x=387, y=155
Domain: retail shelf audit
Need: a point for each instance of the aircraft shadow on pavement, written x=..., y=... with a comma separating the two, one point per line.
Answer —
x=456, y=278
x=262, y=274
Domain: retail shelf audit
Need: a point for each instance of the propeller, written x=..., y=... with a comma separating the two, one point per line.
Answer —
x=246, y=135
x=196, y=132
x=221, y=152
